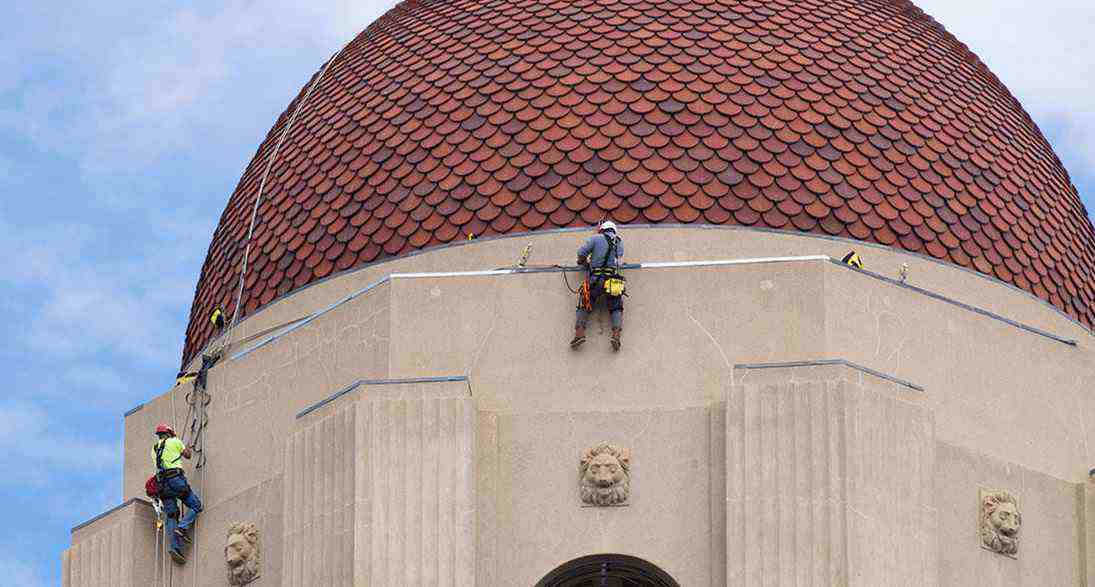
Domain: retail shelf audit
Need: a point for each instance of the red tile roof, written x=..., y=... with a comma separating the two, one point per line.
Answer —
x=855, y=118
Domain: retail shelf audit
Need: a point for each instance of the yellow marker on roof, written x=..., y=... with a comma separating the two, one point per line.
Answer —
x=852, y=258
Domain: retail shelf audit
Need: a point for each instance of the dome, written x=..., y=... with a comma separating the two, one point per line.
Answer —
x=857, y=119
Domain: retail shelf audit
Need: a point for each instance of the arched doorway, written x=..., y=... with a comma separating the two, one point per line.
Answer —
x=607, y=570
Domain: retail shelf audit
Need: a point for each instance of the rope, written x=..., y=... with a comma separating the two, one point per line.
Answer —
x=158, y=559
x=199, y=398
x=194, y=529
x=262, y=188
x=563, y=271
x=199, y=404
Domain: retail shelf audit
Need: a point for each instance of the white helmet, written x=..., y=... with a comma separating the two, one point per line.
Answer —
x=607, y=225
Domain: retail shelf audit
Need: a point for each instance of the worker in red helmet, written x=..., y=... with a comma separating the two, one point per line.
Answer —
x=167, y=454
x=601, y=255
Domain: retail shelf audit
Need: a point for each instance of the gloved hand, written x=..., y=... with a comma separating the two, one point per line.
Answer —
x=583, y=261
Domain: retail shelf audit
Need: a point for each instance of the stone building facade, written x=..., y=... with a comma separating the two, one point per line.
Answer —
x=397, y=404
x=787, y=420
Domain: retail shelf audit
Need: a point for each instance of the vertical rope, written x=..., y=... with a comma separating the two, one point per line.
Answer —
x=198, y=401
x=201, y=398
x=226, y=340
x=262, y=189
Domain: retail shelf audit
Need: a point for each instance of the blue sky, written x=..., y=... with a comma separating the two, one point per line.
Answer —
x=125, y=125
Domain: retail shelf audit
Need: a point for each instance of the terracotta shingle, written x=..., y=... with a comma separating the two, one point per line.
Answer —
x=442, y=119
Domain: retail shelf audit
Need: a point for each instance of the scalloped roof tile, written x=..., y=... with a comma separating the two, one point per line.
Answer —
x=857, y=118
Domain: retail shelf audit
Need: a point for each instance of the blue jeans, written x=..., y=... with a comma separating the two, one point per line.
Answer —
x=171, y=490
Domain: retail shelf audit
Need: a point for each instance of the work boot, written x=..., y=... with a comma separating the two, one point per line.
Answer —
x=177, y=556
x=579, y=337
x=616, y=339
x=183, y=535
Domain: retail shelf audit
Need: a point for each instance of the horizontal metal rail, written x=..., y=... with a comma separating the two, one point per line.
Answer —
x=657, y=265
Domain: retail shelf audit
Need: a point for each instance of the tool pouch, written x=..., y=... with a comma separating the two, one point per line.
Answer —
x=615, y=286
x=152, y=487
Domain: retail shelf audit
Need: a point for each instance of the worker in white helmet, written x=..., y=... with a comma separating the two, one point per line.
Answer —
x=601, y=255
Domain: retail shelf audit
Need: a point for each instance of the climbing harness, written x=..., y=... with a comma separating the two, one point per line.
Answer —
x=615, y=284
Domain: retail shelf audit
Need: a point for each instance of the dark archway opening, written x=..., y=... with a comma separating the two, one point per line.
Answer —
x=607, y=570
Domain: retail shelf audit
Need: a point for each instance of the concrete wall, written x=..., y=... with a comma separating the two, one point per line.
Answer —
x=683, y=330
x=380, y=490
x=829, y=480
x=1087, y=515
x=1050, y=548
x=988, y=382
x=115, y=550
x=995, y=388
x=254, y=404
x=532, y=519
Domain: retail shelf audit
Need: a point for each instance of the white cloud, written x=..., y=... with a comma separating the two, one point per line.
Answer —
x=185, y=78
x=33, y=447
x=79, y=301
x=1044, y=54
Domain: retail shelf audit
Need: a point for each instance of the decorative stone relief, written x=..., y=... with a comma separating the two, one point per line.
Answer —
x=1000, y=521
x=242, y=553
x=604, y=475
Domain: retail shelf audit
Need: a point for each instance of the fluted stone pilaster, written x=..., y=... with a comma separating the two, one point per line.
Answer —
x=381, y=490
x=828, y=483
x=116, y=549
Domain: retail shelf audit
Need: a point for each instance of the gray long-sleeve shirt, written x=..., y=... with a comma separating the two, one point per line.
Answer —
x=596, y=247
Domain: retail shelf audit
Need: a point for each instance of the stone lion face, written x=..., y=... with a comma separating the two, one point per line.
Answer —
x=605, y=471
x=1005, y=519
x=241, y=554
x=605, y=476
x=1001, y=522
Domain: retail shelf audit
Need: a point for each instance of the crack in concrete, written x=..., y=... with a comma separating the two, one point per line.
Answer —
x=482, y=344
x=710, y=337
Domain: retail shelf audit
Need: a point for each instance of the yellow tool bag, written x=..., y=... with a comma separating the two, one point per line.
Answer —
x=616, y=286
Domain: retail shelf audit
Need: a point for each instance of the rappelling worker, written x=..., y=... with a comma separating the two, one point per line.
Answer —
x=167, y=454
x=601, y=255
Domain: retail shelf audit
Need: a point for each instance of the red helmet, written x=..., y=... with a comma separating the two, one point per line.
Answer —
x=164, y=428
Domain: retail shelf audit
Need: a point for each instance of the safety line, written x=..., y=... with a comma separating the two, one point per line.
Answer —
x=262, y=186
x=724, y=262
x=657, y=265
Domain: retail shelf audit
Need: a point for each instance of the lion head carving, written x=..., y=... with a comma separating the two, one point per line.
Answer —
x=242, y=554
x=605, y=475
x=1000, y=522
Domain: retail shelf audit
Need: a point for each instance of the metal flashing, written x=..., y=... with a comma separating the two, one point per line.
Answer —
x=308, y=319
x=954, y=302
x=827, y=362
x=353, y=386
x=110, y=511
